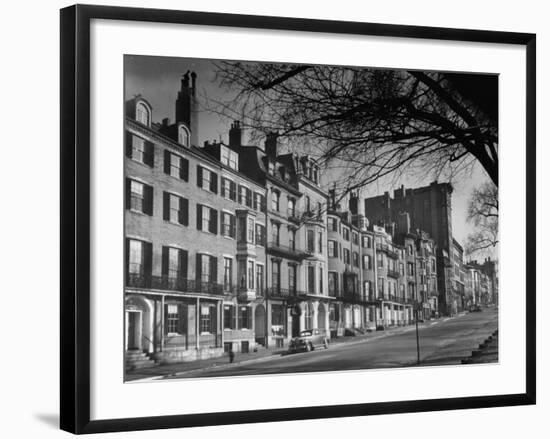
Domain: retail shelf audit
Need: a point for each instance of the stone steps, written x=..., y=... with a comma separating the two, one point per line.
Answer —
x=487, y=351
x=137, y=360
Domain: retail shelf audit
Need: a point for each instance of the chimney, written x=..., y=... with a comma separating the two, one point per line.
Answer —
x=165, y=122
x=354, y=203
x=186, y=106
x=271, y=145
x=332, y=199
x=235, y=134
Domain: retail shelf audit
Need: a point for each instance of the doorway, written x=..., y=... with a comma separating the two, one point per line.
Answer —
x=133, y=340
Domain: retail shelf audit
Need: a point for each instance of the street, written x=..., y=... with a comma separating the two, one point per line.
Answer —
x=442, y=342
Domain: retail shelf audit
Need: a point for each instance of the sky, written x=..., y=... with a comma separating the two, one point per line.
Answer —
x=157, y=79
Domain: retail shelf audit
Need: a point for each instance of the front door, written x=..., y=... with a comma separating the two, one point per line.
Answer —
x=295, y=325
x=134, y=330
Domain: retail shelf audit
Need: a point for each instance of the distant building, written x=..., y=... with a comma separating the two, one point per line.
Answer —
x=429, y=209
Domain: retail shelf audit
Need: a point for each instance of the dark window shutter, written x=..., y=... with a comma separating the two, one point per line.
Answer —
x=167, y=162
x=213, y=269
x=183, y=263
x=184, y=170
x=213, y=221
x=198, y=268
x=184, y=211
x=222, y=222
x=149, y=153
x=166, y=206
x=127, y=192
x=127, y=258
x=148, y=199
x=199, y=217
x=128, y=141
x=147, y=261
x=165, y=260
x=182, y=318
x=213, y=182
x=165, y=319
x=199, y=176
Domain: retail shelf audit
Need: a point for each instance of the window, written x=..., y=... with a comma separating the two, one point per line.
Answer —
x=228, y=317
x=135, y=257
x=139, y=197
x=292, y=278
x=402, y=291
x=319, y=209
x=410, y=269
x=207, y=219
x=311, y=279
x=275, y=275
x=275, y=200
x=259, y=202
x=380, y=287
x=356, y=259
x=367, y=262
x=174, y=263
x=401, y=269
x=355, y=238
x=208, y=319
x=245, y=196
x=142, y=113
x=228, y=225
x=176, y=166
x=320, y=280
x=347, y=256
x=320, y=241
x=333, y=283
x=366, y=289
x=229, y=189
x=250, y=231
x=205, y=268
x=379, y=260
x=183, y=136
x=241, y=268
x=259, y=279
x=207, y=179
x=275, y=235
x=260, y=234
x=332, y=224
x=229, y=158
x=140, y=150
x=345, y=233
x=366, y=241
x=172, y=318
x=308, y=204
x=245, y=317
x=292, y=239
x=250, y=275
x=310, y=241
x=410, y=249
x=227, y=274
x=332, y=249
x=175, y=209
x=291, y=210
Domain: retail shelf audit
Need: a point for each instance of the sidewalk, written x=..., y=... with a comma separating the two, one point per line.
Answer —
x=262, y=354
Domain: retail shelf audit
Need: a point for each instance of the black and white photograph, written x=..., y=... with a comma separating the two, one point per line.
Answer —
x=295, y=218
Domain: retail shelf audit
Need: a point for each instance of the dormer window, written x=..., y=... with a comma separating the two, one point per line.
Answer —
x=143, y=114
x=229, y=158
x=183, y=136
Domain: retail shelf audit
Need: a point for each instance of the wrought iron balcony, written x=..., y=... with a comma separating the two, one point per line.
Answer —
x=287, y=251
x=393, y=273
x=390, y=251
x=277, y=292
x=145, y=281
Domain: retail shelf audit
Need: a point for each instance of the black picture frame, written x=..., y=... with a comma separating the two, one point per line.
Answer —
x=75, y=217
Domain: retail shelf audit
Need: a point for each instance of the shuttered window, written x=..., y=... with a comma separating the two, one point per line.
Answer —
x=139, y=197
x=175, y=209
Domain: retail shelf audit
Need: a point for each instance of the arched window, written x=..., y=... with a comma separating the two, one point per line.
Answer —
x=142, y=113
x=183, y=136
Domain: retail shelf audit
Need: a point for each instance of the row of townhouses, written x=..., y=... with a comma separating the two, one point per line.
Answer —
x=231, y=246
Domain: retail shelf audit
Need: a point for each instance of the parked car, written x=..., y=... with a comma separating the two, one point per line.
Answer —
x=308, y=340
x=476, y=308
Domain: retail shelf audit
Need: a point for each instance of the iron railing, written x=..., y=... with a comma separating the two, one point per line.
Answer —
x=135, y=280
